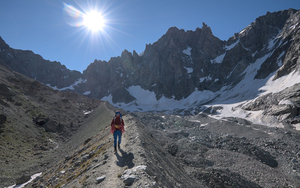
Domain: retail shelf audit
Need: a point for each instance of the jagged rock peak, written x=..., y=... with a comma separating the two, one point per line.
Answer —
x=270, y=20
x=206, y=28
x=125, y=54
x=3, y=44
x=174, y=31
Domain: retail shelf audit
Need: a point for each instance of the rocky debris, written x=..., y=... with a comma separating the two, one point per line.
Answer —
x=172, y=149
x=232, y=152
x=224, y=178
x=242, y=145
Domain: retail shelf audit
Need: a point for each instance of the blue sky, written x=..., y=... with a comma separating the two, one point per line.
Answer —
x=46, y=27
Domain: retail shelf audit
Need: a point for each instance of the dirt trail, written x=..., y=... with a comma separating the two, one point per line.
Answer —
x=117, y=163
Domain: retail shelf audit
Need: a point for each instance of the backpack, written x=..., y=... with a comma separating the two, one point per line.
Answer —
x=115, y=119
x=117, y=126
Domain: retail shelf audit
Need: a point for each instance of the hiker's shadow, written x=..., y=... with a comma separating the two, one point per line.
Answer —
x=125, y=159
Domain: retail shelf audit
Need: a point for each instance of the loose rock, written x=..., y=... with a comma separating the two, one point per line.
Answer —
x=100, y=179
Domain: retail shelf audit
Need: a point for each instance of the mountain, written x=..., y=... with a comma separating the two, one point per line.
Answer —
x=214, y=99
x=186, y=72
x=178, y=64
x=34, y=66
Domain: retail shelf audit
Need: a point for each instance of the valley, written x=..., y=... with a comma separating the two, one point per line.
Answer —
x=198, y=112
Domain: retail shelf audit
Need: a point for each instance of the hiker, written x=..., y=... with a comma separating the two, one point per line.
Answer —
x=117, y=128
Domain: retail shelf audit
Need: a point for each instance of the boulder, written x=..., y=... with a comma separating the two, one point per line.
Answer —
x=5, y=91
x=51, y=126
x=130, y=175
x=100, y=179
x=22, y=179
x=2, y=119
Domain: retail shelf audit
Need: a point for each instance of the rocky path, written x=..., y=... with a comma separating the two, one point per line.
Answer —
x=116, y=164
x=140, y=162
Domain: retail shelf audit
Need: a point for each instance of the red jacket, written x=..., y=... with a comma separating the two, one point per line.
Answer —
x=117, y=121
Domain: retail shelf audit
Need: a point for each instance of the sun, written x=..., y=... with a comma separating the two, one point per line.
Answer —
x=91, y=19
x=94, y=21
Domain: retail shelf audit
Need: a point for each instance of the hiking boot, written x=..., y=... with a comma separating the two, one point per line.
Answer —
x=115, y=149
x=119, y=145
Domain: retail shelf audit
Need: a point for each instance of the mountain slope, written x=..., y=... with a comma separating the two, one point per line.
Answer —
x=35, y=121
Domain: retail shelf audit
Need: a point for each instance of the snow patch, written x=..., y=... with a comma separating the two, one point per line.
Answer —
x=218, y=59
x=189, y=70
x=281, y=83
x=163, y=104
x=286, y=102
x=87, y=93
x=229, y=98
x=232, y=45
x=22, y=185
x=71, y=87
x=205, y=78
x=87, y=112
x=272, y=43
x=187, y=51
x=279, y=61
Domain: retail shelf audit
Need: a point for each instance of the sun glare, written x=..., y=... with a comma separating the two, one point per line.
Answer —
x=93, y=21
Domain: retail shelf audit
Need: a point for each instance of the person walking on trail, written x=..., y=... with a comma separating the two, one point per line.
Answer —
x=117, y=128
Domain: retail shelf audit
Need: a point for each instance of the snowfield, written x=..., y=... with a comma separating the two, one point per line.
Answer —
x=228, y=98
